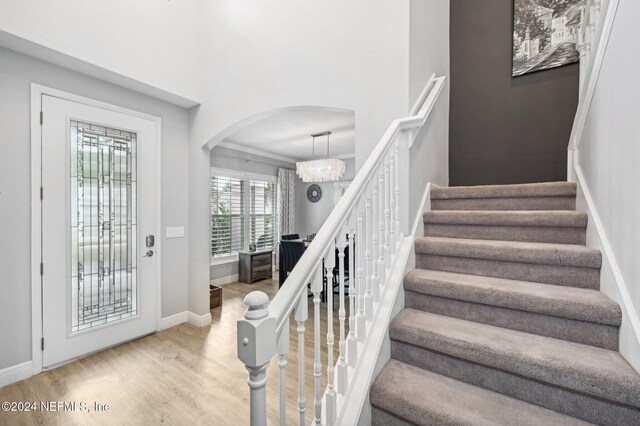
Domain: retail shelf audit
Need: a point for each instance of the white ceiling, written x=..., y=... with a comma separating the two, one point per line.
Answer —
x=289, y=134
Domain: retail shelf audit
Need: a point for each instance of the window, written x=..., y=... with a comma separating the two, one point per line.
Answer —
x=262, y=214
x=243, y=212
x=227, y=215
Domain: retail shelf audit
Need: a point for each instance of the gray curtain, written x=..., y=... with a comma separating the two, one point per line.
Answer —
x=286, y=202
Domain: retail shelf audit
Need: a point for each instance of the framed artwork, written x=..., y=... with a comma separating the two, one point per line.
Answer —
x=545, y=34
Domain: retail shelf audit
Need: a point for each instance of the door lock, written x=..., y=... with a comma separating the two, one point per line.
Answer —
x=150, y=241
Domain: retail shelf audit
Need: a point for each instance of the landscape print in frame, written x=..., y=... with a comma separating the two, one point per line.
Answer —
x=545, y=34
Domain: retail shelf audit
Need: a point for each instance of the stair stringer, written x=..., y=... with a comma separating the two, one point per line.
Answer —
x=406, y=262
x=612, y=282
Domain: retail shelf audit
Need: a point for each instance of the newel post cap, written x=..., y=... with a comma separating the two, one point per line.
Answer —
x=257, y=303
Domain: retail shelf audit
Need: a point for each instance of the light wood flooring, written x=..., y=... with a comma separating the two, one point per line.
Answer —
x=180, y=376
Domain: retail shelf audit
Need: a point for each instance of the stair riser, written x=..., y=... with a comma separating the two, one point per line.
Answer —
x=599, y=335
x=508, y=233
x=571, y=276
x=575, y=404
x=524, y=203
x=382, y=418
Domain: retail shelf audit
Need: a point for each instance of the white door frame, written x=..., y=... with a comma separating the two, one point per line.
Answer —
x=37, y=91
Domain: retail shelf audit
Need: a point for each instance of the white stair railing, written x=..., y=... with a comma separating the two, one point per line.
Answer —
x=597, y=18
x=370, y=220
x=587, y=34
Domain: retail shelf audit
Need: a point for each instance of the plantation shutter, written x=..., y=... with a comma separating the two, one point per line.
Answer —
x=262, y=218
x=227, y=215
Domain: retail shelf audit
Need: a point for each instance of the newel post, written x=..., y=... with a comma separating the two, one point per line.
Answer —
x=256, y=347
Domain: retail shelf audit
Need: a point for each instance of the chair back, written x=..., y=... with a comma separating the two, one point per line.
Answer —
x=290, y=252
x=263, y=241
x=289, y=237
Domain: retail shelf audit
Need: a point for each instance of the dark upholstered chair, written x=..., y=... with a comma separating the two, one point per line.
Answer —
x=263, y=241
x=290, y=253
x=290, y=237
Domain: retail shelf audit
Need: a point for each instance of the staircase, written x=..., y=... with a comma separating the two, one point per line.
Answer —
x=504, y=321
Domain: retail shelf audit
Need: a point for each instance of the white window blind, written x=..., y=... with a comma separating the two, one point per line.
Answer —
x=228, y=233
x=262, y=213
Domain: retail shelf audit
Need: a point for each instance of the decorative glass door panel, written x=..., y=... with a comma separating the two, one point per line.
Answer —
x=103, y=225
x=101, y=201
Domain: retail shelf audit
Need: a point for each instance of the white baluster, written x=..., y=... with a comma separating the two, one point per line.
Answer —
x=342, y=315
x=352, y=341
x=283, y=349
x=257, y=326
x=331, y=394
x=360, y=280
x=316, y=289
x=387, y=214
x=368, y=300
x=396, y=214
x=375, y=280
x=301, y=317
x=392, y=204
x=402, y=207
x=382, y=271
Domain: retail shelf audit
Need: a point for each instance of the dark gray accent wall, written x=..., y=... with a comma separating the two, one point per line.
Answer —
x=504, y=129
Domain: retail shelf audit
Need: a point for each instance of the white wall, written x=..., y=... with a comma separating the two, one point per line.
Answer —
x=16, y=74
x=429, y=53
x=238, y=59
x=609, y=155
x=151, y=41
x=259, y=56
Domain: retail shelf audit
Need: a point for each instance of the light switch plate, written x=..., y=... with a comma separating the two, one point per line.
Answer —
x=175, y=232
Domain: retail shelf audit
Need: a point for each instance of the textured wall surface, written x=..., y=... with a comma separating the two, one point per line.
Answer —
x=504, y=129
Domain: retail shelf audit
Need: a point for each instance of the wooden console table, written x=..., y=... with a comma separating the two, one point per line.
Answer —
x=255, y=265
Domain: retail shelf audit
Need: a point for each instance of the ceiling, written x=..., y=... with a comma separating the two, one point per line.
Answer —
x=289, y=134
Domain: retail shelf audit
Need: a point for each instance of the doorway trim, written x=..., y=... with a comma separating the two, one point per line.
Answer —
x=37, y=91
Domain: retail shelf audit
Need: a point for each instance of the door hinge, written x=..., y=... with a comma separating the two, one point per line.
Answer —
x=41, y=268
x=41, y=117
x=41, y=193
x=42, y=344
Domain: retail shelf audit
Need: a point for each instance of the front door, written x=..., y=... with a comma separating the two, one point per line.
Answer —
x=99, y=222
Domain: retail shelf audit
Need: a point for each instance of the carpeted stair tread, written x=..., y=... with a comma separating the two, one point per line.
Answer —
x=546, y=189
x=560, y=301
x=579, y=368
x=510, y=251
x=528, y=218
x=425, y=398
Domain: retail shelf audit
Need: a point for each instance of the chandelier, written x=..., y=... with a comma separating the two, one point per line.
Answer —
x=320, y=170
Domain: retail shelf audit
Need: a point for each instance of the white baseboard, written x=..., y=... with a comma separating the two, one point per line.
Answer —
x=173, y=320
x=224, y=280
x=612, y=282
x=15, y=373
x=199, y=320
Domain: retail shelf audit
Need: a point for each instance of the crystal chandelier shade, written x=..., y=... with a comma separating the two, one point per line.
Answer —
x=320, y=170
x=323, y=170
